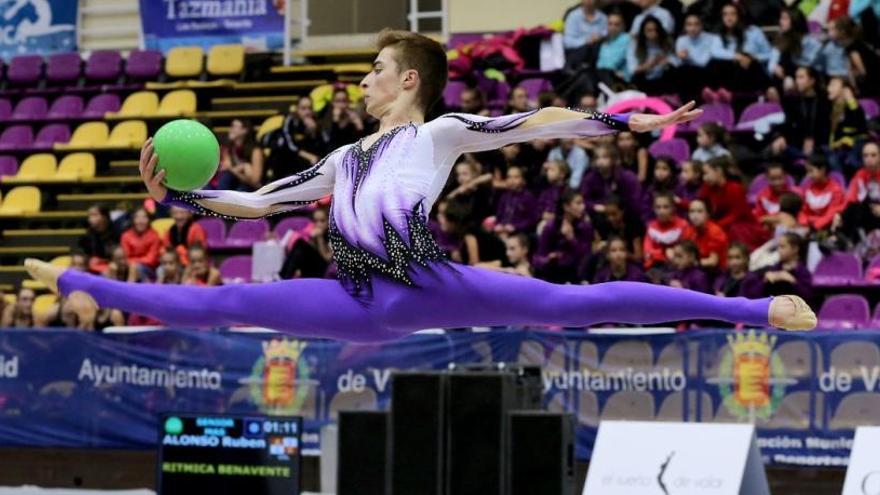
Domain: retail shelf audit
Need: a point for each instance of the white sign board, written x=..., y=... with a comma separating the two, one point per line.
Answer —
x=632, y=458
x=863, y=473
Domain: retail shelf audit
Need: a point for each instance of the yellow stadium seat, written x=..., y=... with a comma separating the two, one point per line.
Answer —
x=19, y=200
x=269, y=125
x=177, y=103
x=87, y=135
x=139, y=104
x=9, y=298
x=44, y=302
x=162, y=225
x=62, y=261
x=35, y=168
x=184, y=61
x=226, y=60
x=128, y=134
x=76, y=166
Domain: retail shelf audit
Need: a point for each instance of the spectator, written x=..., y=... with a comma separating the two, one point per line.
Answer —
x=297, y=144
x=633, y=156
x=687, y=273
x=575, y=157
x=789, y=276
x=694, y=51
x=63, y=314
x=119, y=268
x=565, y=241
x=729, y=283
x=199, y=271
x=467, y=242
x=794, y=48
x=310, y=254
x=556, y=174
x=663, y=180
x=171, y=271
x=807, y=118
x=473, y=191
x=241, y=159
x=652, y=8
x=20, y=314
x=518, y=101
x=648, y=60
x=665, y=231
x=862, y=213
x=742, y=53
x=617, y=221
x=340, y=123
x=184, y=234
x=867, y=13
x=864, y=63
x=848, y=125
x=618, y=267
x=517, y=257
x=79, y=261
x=790, y=206
x=611, y=63
x=142, y=244
x=823, y=198
x=516, y=206
x=726, y=199
x=607, y=177
x=711, y=141
x=584, y=29
x=708, y=236
x=99, y=239
x=690, y=182
x=474, y=102
x=767, y=203
x=833, y=57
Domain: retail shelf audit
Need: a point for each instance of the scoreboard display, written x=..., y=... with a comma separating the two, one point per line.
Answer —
x=221, y=454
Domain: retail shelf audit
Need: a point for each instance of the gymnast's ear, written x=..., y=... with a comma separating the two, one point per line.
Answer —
x=409, y=79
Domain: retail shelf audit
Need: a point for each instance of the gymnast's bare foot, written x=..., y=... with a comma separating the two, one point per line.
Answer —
x=791, y=313
x=44, y=272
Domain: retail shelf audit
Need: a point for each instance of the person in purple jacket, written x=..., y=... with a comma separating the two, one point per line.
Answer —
x=617, y=268
x=556, y=175
x=688, y=274
x=565, y=241
x=789, y=276
x=607, y=177
x=517, y=207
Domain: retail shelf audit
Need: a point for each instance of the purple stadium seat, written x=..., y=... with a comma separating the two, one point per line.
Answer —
x=834, y=175
x=452, y=94
x=875, y=321
x=759, y=183
x=31, y=108
x=5, y=109
x=66, y=107
x=872, y=272
x=296, y=224
x=215, y=231
x=63, y=69
x=8, y=165
x=143, y=65
x=535, y=86
x=838, y=269
x=721, y=113
x=756, y=111
x=844, y=312
x=103, y=66
x=51, y=134
x=870, y=107
x=101, y=104
x=498, y=96
x=677, y=148
x=16, y=137
x=245, y=234
x=25, y=70
x=236, y=269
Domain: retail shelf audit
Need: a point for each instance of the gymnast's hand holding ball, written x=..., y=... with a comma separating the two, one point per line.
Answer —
x=183, y=155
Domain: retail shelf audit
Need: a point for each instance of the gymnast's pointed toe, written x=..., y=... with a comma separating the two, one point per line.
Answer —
x=791, y=313
x=44, y=272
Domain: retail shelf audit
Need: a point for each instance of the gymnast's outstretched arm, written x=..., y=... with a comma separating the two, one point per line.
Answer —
x=282, y=195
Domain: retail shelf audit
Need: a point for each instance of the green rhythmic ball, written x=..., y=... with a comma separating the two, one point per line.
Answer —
x=188, y=152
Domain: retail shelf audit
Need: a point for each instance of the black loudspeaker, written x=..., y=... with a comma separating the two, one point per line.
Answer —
x=418, y=440
x=477, y=436
x=529, y=387
x=541, y=458
x=362, y=461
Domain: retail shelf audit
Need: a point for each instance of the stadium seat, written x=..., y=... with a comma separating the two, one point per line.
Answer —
x=66, y=107
x=162, y=225
x=215, y=231
x=31, y=108
x=63, y=69
x=721, y=113
x=143, y=65
x=25, y=70
x=103, y=66
x=872, y=272
x=20, y=200
x=296, y=224
x=8, y=165
x=754, y=113
x=51, y=134
x=62, y=261
x=236, y=269
x=127, y=134
x=269, y=125
x=140, y=104
x=870, y=107
x=226, y=60
x=246, y=233
x=676, y=148
x=35, y=168
x=100, y=104
x=44, y=302
x=5, y=109
x=184, y=61
x=534, y=86
x=16, y=137
x=875, y=320
x=856, y=409
x=452, y=94
x=759, y=183
x=87, y=135
x=76, y=166
x=844, y=312
x=179, y=103
x=838, y=269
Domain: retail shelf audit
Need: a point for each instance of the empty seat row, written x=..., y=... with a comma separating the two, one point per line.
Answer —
x=89, y=135
x=245, y=233
x=64, y=70
x=843, y=269
x=44, y=167
x=848, y=312
x=140, y=104
x=20, y=200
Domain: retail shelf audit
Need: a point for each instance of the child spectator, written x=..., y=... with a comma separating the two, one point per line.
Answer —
x=794, y=47
x=611, y=64
x=687, y=274
x=171, y=270
x=20, y=314
x=241, y=159
x=99, y=239
x=184, y=234
x=565, y=241
x=473, y=189
x=310, y=255
x=864, y=63
x=823, y=197
x=617, y=267
x=711, y=141
x=742, y=54
x=729, y=283
x=767, y=202
x=556, y=176
x=726, y=199
x=142, y=244
x=575, y=157
x=694, y=50
x=79, y=261
x=862, y=213
x=199, y=271
x=607, y=177
x=516, y=206
x=690, y=182
x=665, y=231
x=517, y=257
x=649, y=59
x=708, y=236
x=789, y=276
x=848, y=125
x=633, y=156
x=663, y=180
x=119, y=268
x=464, y=238
x=619, y=222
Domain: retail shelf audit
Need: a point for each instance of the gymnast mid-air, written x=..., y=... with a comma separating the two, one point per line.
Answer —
x=393, y=277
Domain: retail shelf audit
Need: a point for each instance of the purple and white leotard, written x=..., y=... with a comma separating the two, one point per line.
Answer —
x=393, y=277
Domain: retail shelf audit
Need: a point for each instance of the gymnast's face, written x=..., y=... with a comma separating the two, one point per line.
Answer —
x=386, y=85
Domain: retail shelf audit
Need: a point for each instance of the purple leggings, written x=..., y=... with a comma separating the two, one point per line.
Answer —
x=446, y=295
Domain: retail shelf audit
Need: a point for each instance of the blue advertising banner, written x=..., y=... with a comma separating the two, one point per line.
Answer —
x=258, y=24
x=37, y=27
x=805, y=392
